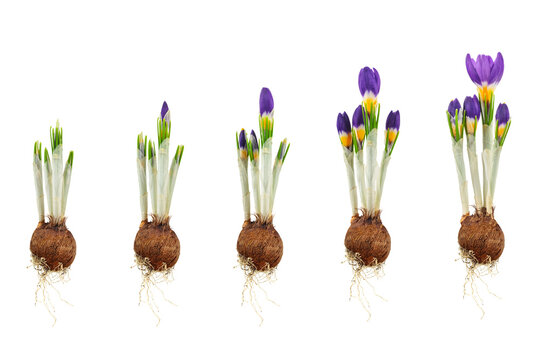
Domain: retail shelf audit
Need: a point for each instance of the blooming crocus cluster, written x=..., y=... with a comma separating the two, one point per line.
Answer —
x=264, y=178
x=486, y=75
x=362, y=136
x=161, y=178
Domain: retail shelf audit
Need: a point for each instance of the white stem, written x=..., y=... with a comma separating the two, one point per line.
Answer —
x=381, y=178
x=256, y=186
x=47, y=175
x=275, y=179
x=496, y=155
x=163, y=176
x=475, y=175
x=242, y=166
x=152, y=180
x=348, y=157
x=371, y=166
x=457, y=147
x=57, y=163
x=65, y=188
x=361, y=176
x=173, y=173
x=38, y=182
x=266, y=177
x=143, y=192
x=488, y=137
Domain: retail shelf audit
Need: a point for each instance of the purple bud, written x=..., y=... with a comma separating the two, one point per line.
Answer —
x=358, y=117
x=164, y=110
x=266, y=101
x=253, y=140
x=393, y=121
x=471, y=105
x=343, y=124
x=242, y=142
x=453, y=106
x=502, y=115
x=369, y=81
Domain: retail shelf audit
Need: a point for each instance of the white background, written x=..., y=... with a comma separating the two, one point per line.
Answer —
x=104, y=69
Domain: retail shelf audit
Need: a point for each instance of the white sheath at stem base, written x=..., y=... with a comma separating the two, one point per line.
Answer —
x=457, y=147
x=348, y=157
x=275, y=179
x=266, y=178
x=256, y=185
x=488, y=134
x=65, y=188
x=242, y=166
x=173, y=173
x=360, y=176
x=382, y=177
x=371, y=169
x=152, y=182
x=143, y=193
x=38, y=182
x=473, y=167
x=57, y=180
x=163, y=177
x=495, y=157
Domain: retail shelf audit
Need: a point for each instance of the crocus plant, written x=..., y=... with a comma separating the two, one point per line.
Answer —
x=362, y=138
x=259, y=245
x=367, y=241
x=486, y=75
x=480, y=238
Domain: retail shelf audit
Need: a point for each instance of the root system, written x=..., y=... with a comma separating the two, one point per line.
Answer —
x=151, y=280
x=361, y=276
x=254, y=278
x=475, y=273
x=47, y=279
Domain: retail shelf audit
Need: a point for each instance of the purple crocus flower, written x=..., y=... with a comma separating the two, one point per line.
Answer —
x=344, y=130
x=471, y=106
x=242, y=144
x=369, y=83
x=165, y=112
x=392, y=130
x=266, y=102
x=502, y=116
x=453, y=106
x=485, y=73
x=359, y=125
x=254, y=146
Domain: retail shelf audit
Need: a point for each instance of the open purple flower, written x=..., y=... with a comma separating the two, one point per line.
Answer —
x=369, y=83
x=344, y=130
x=485, y=73
x=471, y=106
x=502, y=116
x=392, y=130
x=266, y=102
